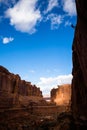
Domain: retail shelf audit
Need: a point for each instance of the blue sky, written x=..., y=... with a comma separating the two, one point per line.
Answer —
x=36, y=40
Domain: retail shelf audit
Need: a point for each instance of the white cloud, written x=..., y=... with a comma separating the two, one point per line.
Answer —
x=51, y=5
x=24, y=16
x=56, y=20
x=46, y=84
x=6, y=40
x=69, y=7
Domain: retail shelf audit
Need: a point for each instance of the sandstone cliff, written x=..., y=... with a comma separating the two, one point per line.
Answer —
x=61, y=95
x=79, y=83
x=14, y=91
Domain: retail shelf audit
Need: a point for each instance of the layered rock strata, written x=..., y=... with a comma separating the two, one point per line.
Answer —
x=14, y=91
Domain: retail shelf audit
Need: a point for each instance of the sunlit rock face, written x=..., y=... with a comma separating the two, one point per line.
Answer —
x=61, y=95
x=13, y=90
x=79, y=83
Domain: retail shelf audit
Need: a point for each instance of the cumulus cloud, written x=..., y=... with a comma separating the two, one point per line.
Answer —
x=55, y=19
x=24, y=16
x=46, y=84
x=6, y=40
x=69, y=7
x=51, y=5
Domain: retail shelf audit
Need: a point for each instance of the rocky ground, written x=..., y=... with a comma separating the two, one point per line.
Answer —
x=23, y=120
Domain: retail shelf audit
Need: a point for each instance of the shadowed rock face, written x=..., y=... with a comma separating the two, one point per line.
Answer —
x=79, y=83
x=14, y=90
x=22, y=106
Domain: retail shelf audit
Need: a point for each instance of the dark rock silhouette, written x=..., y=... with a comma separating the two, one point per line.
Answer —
x=73, y=26
x=13, y=94
x=79, y=83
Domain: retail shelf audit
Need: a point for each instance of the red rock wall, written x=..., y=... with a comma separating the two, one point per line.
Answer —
x=79, y=83
x=12, y=87
x=61, y=95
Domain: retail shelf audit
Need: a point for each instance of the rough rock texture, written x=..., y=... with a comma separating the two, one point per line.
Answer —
x=79, y=83
x=61, y=95
x=22, y=106
x=13, y=90
x=53, y=94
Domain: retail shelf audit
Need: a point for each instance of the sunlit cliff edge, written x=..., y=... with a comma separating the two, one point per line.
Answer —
x=61, y=95
x=16, y=92
x=23, y=106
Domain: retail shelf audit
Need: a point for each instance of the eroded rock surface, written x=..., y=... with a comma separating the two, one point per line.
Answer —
x=79, y=83
x=13, y=90
x=61, y=95
x=22, y=106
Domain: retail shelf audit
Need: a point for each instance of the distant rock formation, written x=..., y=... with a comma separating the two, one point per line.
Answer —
x=79, y=83
x=61, y=95
x=13, y=90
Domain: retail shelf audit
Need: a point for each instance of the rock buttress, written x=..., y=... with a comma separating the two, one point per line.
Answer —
x=13, y=90
x=79, y=82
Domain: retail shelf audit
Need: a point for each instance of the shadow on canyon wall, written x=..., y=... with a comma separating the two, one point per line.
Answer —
x=22, y=106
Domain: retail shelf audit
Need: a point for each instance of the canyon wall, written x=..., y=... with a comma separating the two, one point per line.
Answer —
x=79, y=82
x=14, y=91
x=61, y=95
